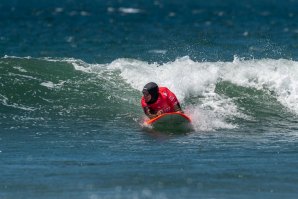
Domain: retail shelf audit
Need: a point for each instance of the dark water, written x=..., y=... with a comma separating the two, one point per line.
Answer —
x=71, y=73
x=102, y=31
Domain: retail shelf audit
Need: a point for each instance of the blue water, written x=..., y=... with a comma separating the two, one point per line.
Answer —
x=71, y=75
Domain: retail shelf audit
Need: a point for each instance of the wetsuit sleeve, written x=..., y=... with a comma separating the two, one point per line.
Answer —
x=143, y=103
x=172, y=99
x=145, y=107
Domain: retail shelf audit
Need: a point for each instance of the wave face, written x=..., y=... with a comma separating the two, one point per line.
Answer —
x=217, y=95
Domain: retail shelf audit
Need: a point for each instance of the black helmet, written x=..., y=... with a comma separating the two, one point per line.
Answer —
x=152, y=89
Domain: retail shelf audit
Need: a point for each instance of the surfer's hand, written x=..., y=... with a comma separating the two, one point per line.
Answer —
x=159, y=112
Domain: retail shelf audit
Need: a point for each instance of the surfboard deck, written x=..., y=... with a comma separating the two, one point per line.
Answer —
x=171, y=122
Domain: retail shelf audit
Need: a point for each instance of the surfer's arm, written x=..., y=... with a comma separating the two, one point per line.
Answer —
x=177, y=108
x=149, y=114
x=173, y=101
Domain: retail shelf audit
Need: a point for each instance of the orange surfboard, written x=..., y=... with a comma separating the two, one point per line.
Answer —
x=171, y=122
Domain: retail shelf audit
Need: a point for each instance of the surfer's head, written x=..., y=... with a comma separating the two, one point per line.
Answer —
x=150, y=92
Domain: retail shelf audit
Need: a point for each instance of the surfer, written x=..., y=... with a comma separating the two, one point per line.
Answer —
x=158, y=100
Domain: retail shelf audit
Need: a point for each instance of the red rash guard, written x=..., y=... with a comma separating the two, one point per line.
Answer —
x=165, y=102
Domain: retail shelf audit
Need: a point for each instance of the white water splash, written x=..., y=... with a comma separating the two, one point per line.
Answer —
x=51, y=85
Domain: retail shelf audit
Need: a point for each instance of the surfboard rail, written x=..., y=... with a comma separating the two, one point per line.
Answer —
x=172, y=123
x=151, y=121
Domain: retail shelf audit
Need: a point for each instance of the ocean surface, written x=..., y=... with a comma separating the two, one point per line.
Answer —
x=71, y=75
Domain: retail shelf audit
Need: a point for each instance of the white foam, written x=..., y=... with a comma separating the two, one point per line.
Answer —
x=82, y=68
x=51, y=85
x=183, y=76
x=15, y=57
x=23, y=76
x=158, y=51
x=129, y=10
x=20, y=69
